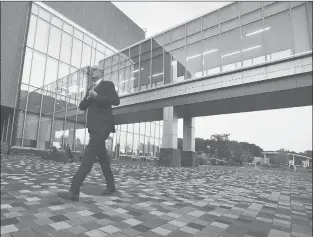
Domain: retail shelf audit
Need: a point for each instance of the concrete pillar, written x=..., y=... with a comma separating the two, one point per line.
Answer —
x=189, y=156
x=189, y=134
x=169, y=154
x=170, y=128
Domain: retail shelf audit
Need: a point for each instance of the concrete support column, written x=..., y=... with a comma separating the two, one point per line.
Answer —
x=169, y=154
x=189, y=157
x=170, y=128
x=189, y=134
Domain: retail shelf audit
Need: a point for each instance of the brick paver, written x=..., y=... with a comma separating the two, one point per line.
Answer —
x=153, y=201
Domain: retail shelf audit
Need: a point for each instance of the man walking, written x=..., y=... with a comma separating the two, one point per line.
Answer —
x=98, y=100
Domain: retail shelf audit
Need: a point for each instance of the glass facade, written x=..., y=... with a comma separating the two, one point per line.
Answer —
x=58, y=56
x=54, y=81
x=239, y=35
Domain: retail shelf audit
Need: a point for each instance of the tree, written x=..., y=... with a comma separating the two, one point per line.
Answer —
x=220, y=144
x=280, y=158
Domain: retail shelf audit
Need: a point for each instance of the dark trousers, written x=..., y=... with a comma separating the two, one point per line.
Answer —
x=95, y=148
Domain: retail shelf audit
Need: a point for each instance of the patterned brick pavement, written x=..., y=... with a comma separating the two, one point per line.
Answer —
x=154, y=201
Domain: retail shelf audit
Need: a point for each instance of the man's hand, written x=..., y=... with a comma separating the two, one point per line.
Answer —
x=92, y=94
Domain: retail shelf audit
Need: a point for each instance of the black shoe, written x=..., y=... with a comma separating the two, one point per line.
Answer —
x=108, y=191
x=69, y=196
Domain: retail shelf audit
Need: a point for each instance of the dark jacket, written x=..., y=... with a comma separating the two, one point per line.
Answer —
x=100, y=116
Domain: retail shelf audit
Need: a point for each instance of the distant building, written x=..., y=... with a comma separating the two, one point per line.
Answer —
x=294, y=159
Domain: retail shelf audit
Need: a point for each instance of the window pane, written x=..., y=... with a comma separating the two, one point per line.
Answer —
x=309, y=10
x=48, y=102
x=64, y=70
x=147, y=133
x=178, y=33
x=44, y=14
x=42, y=35
x=78, y=34
x=167, y=68
x=253, y=50
x=300, y=29
x=136, y=128
x=193, y=38
x=54, y=42
x=178, y=65
x=251, y=17
x=229, y=25
x=68, y=28
x=211, y=55
x=51, y=71
x=275, y=8
x=100, y=47
x=66, y=48
x=76, y=53
x=230, y=49
x=134, y=80
x=194, y=61
x=152, y=129
x=278, y=36
x=123, y=143
x=194, y=26
x=99, y=57
x=27, y=65
x=31, y=31
x=157, y=70
x=210, y=32
x=246, y=7
x=210, y=20
x=229, y=12
x=145, y=75
x=136, y=145
x=129, y=148
x=34, y=8
x=142, y=126
x=86, y=55
x=30, y=130
x=87, y=39
x=37, y=73
x=57, y=22
x=43, y=141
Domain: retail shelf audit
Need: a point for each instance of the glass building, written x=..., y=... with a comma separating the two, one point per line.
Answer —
x=54, y=81
x=238, y=35
x=58, y=54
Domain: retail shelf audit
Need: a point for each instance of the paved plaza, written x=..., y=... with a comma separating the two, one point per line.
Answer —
x=153, y=201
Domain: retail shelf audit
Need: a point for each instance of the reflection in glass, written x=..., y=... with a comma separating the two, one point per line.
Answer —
x=54, y=42
x=65, y=55
x=278, y=36
x=31, y=31
x=211, y=56
x=300, y=29
x=30, y=130
x=37, y=73
x=178, y=65
x=51, y=74
x=129, y=146
x=27, y=65
x=157, y=68
x=145, y=75
x=194, y=60
x=231, y=49
x=42, y=35
x=253, y=49
x=86, y=55
x=76, y=53
x=123, y=143
x=44, y=133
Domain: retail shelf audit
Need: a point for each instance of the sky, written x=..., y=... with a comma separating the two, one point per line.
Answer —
x=271, y=130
